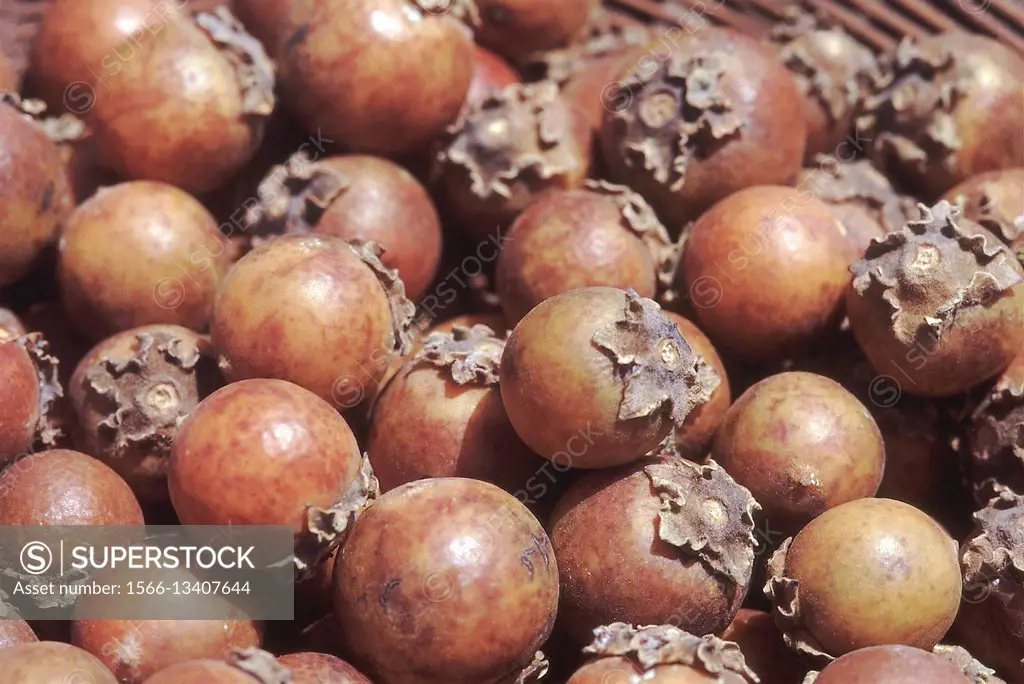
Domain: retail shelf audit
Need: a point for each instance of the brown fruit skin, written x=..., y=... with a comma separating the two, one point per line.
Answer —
x=694, y=436
x=382, y=77
x=562, y=392
x=490, y=73
x=178, y=259
x=620, y=670
x=9, y=79
x=423, y=574
x=63, y=487
x=1005, y=190
x=990, y=625
x=384, y=203
x=15, y=632
x=263, y=19
x=769, y=150
x=307, y=309
x=10, y=325
x=614, y=568
x=893, y=665
x=19, y=400
x=51, y=662
x=79, y=42
x=320, y=668
x=157, y=644
x=32, y=183
x=872, y=572
x=766, y=271
x=204, y=671
x=494, y=321
x=763, y=648
x=175, y=112
x=515, y=28
x=466, y=427
x=260, y=452
x=167, y=397
x=568, y=240
x=801, y=444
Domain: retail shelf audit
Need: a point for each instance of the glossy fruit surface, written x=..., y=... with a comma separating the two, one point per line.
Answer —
x=893, y=665
x=14, y=632
x=490, y=75
x=443, y=557
x=50, y=662
x=515, y=28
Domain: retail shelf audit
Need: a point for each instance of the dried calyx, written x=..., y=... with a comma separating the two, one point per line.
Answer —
x=535, y=671
x=809, y=44
x=253, y=68
x=326, y=528
x=653, y=646
x=858, y=183
x=933, y=270
x=521, y=133
x=972, y=669
x=708, y=516
x=910, y=113
x=469, y=354
x=463, y=10
x=657, y=366
x=783, y=592
x=260, y=665
x=994, y=447
x=639, y=218
x=676, y=112
x=402, y=310
x=995, y=551
x=294, y=196
x=995, y=204
x=48, y=429
x=65, y=128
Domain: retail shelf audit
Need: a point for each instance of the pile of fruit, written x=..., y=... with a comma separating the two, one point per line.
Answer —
x=574, y=348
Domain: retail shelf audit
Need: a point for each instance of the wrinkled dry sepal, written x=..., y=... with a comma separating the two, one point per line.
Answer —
x=471, y=355
x=997, y=547
x=535, y=671
x=253, y=68
x=1003, y=224
x=997, y=450
x=402, y=310
x=653, y=646
x=538, y=142
x=465, y=11
x=66, y=128
x=260, y=665
x=294, y=196
x=657, y=366
x=784, y=593
x=48, y=429
x=326, y=528
x=708, y=515
x=962, y=658
x=639, y=218
x=861, y=183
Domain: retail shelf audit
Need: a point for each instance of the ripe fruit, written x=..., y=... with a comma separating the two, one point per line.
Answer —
x=994, y=200
x=763, y=648
x=442, y=557
x=381, y=77
x=945, y=111
x=178, y=260
x=14, y=632
x=802, y=445
x=490, y=75
x=719, y=113
x=938, y=304
x=866, y=573
x=267, y=452
x=766, y=270
x=49, y=662
x=10, y=325
x=892, y=664
x=598, y=377
x=515, y=28
x=62, y=487
x=320, y=668
x=313, y=310
x=244, y=666
x=653, y=542
x=131, y=393
x=358, y=198
x=30, y=388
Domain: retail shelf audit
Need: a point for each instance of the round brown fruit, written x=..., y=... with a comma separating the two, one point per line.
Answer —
x=766, y=270
x=267, y=452
x=131, y=393
x=893, y=665
x=443, y=557
x=717, y=114
x=937, y=305
x=866, y=573
x=137, y=649
x=515, y=28
x=358, y=197
x=763, y=648
x=32, y=183
x=597, y=377
x=51, y=662
x=604, y=235
x=801, y=444
x=28, y=390
x=320, y=668
x=946, y=111
x=188, y=105
x=313, y=310
x=62, y=487
x=178, y=259
x=624, y=556
x=491, y=74
x=382, y=77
